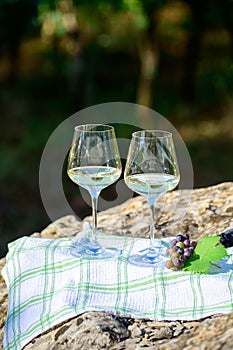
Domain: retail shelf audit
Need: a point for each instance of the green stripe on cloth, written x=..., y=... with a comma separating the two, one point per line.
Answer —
x=47, y=285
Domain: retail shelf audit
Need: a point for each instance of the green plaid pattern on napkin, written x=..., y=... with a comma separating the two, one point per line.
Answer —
x=47, y=285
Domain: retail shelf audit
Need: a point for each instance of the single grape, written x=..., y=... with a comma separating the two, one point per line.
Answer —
x=180, y=244
x=176, y=262
x=179, y=238
x=186, y=242
x=186, y=236
x=175, y=255
x=187, y=253
x=169, y=250
x=180, y=250
x=173, y=242
x=169, y=264
x=193, y=244
x=182, y=263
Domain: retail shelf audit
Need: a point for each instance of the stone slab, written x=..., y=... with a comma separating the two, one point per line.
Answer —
x=201, y=212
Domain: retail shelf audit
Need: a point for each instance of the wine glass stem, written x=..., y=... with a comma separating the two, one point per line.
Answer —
x=152, y=223
x=94, y=199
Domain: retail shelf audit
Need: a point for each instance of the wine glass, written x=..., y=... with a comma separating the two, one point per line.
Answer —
x=94, y=163
x=151, y=170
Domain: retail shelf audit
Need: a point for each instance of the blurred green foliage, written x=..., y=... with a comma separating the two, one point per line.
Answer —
x=59, y=56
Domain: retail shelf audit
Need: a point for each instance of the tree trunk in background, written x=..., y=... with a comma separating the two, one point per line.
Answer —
x=228, y=19
x=149, y=59
x=13, y=29
x=193, y=48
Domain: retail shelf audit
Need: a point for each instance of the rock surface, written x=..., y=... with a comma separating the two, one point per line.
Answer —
x=205, y=211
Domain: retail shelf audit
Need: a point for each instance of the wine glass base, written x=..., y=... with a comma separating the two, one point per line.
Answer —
x=147, y=259
x=93, y=253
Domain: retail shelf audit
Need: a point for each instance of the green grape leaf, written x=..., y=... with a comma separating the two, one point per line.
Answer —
x=206, y=252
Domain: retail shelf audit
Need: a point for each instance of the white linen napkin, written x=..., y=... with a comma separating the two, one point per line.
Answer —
x=47, y=285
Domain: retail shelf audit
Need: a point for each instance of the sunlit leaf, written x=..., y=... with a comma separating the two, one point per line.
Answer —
x=207, y=251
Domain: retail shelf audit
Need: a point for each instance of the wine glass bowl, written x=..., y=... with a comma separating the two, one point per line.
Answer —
x=94, y=164
x=151, y=170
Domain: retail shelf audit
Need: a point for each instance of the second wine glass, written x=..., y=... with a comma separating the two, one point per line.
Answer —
x=151, y=170
x=94, y=163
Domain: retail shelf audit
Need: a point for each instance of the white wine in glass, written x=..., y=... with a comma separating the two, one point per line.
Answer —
x=151, y=170
x=94, y=163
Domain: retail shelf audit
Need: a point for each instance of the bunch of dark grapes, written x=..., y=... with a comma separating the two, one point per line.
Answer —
x=182, y=248
x=226, y=238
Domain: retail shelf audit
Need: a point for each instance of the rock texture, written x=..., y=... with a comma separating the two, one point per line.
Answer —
x=206, y=211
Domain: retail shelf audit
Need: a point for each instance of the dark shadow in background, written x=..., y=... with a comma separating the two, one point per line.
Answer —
x=42, y=84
